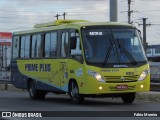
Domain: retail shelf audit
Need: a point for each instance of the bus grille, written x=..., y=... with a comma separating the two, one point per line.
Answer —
x=120, y=79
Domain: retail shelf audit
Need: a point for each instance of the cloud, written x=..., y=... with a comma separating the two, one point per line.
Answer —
x=21, y=14
x=29, y=12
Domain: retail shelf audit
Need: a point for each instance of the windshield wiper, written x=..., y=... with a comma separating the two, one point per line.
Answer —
x=128, y=55
x=108, y=53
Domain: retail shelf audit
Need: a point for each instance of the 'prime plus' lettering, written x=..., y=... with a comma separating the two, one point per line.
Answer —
x=31, y=67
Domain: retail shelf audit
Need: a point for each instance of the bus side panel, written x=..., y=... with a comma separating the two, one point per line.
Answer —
x=47, y=87
x=47, y=75
x=43, y=72
x=17, y=79
x=21, y=81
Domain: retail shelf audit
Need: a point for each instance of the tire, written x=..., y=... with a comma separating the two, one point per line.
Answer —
x=74, y=93
x=35, y=94
x=128, y=97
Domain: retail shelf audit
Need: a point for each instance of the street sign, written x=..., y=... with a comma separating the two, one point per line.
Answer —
x=5, y=38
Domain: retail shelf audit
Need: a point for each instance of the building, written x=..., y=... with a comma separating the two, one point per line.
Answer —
x=153, y=55
x=5, y=54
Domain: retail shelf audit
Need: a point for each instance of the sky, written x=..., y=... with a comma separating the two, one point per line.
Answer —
x=16, y=15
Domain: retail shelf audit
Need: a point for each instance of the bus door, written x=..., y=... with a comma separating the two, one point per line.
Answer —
x=63, y=60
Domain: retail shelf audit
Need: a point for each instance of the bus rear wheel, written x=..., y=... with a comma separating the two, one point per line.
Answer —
x=128, y=97
x=35, y=94
x=74, y=93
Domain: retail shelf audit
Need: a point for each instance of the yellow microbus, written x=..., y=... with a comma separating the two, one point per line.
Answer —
x=81, y=58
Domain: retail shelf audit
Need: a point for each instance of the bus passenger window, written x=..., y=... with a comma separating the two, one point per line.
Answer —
x=47, y=45
x=36, y=46
x=15, y=47
x=64, y=45
x=51, y=44
x=53, y=51
x=27, y=47
x=22, y=55
x=39, y=46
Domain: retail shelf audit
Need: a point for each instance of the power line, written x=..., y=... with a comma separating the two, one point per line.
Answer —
x=146, y=3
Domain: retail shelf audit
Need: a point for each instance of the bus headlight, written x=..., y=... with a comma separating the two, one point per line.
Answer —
x=144, y=75
x=97, y=76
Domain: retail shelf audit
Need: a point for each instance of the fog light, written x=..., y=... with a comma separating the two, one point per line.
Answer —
x=141, y=86
x=100, y=87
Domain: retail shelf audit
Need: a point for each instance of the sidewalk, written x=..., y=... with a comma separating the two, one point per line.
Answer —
x=149, y=96
x=10, y=87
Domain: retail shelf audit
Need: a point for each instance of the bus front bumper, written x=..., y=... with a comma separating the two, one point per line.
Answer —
x=107, y=88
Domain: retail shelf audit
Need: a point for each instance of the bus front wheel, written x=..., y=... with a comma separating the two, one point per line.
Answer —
x=35, y=94
x=74, y=93
x=128, y=97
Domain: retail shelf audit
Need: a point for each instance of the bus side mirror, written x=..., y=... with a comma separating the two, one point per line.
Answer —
x=140, y=35
x=73, y=42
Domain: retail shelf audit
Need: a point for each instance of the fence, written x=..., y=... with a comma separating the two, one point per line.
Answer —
x=155, y=71
x=5, y=78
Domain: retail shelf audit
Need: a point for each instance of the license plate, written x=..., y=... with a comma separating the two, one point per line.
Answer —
x=122, y=87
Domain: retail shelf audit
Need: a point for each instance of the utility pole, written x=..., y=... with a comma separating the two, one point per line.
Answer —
x=64, y=15
x=113, y=10
x=129, y=11
x=144, y=33
x=57, y=16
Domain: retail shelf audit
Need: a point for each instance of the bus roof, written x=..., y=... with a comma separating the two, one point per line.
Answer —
x=63, y=24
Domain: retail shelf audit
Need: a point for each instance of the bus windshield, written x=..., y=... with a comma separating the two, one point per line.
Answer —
x=113, y=45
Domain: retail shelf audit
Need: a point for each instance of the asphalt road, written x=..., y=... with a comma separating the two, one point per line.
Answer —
x=20, y=101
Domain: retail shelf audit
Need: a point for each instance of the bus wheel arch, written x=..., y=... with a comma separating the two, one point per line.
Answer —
x=73, y=90
x=34, y=93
